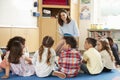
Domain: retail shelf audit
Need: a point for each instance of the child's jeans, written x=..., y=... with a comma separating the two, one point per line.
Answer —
x=84, y=68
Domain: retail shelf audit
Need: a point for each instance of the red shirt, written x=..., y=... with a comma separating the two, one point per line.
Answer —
x=69, y=62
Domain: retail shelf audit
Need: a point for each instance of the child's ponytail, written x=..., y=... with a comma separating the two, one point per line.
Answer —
x=48, y=57
x=47, y=43
x=40, y=52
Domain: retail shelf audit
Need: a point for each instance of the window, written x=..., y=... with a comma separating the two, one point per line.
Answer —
x=107, y=13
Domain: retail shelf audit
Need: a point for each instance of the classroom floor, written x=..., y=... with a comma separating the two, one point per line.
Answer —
x=113, y=75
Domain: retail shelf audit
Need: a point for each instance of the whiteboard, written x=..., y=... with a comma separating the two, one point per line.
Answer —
x=17, y=13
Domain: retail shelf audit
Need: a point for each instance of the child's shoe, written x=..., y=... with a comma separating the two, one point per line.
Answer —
x=59, y=74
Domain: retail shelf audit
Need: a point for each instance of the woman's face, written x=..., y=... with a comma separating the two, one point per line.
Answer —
x=99, y=46
x=63, y=16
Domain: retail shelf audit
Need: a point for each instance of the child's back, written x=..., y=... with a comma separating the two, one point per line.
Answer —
x=44, y=58
x=69, y=62
x=94, y=61
x=23, y=68
x=42, y=69
x=69, y=59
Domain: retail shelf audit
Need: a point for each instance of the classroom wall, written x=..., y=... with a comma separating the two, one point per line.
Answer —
x=84, y=24
x=83, y=32
x=18, y=13
x=30, y=34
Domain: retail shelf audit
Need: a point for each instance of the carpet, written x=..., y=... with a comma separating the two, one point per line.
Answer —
x=113, y=75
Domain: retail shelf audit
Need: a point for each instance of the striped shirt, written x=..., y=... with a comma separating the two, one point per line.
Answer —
x=22, y=69
x=69, y=62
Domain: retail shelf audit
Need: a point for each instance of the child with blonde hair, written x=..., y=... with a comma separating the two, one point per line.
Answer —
x=106, y=55
x=44, y=59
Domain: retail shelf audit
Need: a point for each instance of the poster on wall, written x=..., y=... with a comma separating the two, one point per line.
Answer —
x=85, y=1
x=85, y=13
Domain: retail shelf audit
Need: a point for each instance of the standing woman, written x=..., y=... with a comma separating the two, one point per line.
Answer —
x=68, y=27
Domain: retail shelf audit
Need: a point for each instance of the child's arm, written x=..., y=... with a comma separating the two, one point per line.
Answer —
x=85, y=58
x=7, y=71
x=29, y=60
x=83, y=61
x=35, y=57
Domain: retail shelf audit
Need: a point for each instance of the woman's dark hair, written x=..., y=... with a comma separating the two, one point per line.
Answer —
x=60, y=21
x=47, y=42
x=16, y=51
x=92, y=41
x=71, y=41
x=16, y=38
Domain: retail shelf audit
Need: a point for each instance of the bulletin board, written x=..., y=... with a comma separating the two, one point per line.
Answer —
x=17, y=13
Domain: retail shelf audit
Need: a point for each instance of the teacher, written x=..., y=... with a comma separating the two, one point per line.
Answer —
x=67, y=27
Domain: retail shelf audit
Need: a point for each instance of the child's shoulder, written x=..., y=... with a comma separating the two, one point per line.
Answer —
x=75, y=51
x=53, y=51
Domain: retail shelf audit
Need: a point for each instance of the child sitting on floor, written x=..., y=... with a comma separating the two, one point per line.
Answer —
x=92, y=62
x=5, y=62
x=44, y=59
x=106, y=55
x=16, y=61
x=69, y=58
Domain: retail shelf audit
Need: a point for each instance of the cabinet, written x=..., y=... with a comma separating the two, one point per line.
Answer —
x=48, y=22
x=51, y=9
x=30, y=34
x=48, y=27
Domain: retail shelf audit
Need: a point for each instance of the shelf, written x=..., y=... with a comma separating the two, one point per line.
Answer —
x=99, y=30
x=103, y=29
x=56, y=6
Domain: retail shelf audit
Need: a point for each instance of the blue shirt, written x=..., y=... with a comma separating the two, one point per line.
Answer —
x=70, y=28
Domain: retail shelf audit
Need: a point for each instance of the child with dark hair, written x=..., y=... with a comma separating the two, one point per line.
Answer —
x=16, y=38
x=5, y=62
x=92, y=62
x=16, y=61
x=22, y=40
x=69, y=58
x=59, y=46
x=44, y=59
x=114, y=48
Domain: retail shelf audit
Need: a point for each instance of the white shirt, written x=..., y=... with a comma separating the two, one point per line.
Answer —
x=0, y=55
x=70, y=28
x=41, y=68
x=106, y=59
x=94, y=61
